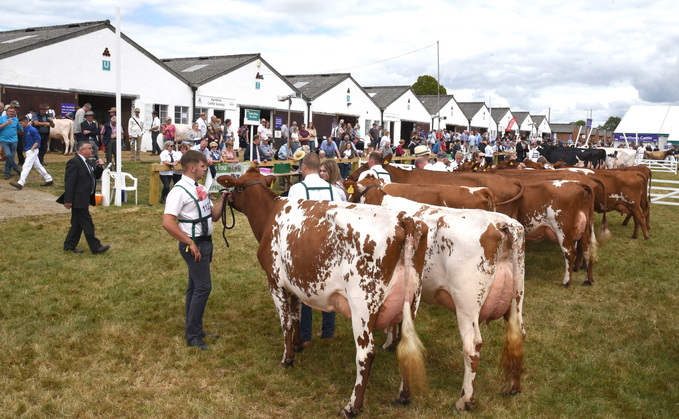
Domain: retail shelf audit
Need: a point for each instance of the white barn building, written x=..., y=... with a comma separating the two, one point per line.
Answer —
x=402, y=111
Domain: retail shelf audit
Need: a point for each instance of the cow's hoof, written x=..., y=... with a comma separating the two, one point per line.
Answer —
x=462, y=405
x=298, y=348
x=587, y=283
x=389, y=348
x=351, y=413
x=288, y=363
x=566, y=285
x=401, y=402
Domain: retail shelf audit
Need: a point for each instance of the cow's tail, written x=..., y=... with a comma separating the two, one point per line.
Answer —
x=591, y=253
x=411, y=354
x=410, y=350
x=511, y=361
x=517, y=196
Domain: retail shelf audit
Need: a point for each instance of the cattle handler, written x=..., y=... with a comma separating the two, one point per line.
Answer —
x=188, y=217
x=316, y=189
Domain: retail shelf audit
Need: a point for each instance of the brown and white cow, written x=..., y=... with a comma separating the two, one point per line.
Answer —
x=362, y=261
x=507, y=191
x=474, y=267
x=619, y=157
x=451, y=196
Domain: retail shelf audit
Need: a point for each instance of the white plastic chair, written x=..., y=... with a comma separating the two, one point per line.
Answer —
x=124, y=187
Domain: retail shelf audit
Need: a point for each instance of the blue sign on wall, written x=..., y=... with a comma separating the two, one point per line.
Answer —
x=66, y=108
x=633, y=137
x=106, y=65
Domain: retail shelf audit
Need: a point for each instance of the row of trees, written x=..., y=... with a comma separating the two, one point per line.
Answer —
x=427, y=85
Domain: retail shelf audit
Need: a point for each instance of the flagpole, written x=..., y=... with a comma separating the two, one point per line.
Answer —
x=119, y=180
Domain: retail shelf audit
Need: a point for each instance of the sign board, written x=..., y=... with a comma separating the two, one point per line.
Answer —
x=231, y=169
x=633, y=137
x=66, y=108
x=589, y=123
x=278, y=123
x=106, y=65
x=215, y=102
x=251, y=117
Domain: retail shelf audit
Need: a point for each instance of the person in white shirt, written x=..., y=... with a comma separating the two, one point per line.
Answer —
x=202, y=124
x=189, y=214
x=533, y=153
x=155, y=131
x=316, y=189
x=171, y=158
x=488, y=153
x=640, y=152
x=375, y=168
x=440, y=165
x=261, y=129
x=135, y=128
x=459, y=158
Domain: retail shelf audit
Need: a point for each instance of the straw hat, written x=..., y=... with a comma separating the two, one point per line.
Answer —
x=421, y=150
x=299, y=154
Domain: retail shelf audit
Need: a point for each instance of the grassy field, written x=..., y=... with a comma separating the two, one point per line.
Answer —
x=90, y=336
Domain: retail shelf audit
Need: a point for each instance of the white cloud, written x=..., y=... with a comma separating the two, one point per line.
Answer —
x=569, y=56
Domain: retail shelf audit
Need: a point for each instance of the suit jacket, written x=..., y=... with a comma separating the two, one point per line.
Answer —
x=93, y=128
x=79, y=183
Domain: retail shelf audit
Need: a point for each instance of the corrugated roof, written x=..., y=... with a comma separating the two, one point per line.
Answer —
x=498, y=113
x=432, y=102
x=22, y=40
x=520, y=116
x=314, y=85
x=200, y=70
x=561, y=128
x=386, y=95
x=469, y=109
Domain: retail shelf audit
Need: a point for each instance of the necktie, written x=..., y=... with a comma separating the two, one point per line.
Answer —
x=203, y=222
x=171, y=158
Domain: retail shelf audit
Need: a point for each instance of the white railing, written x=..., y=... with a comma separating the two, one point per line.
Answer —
x=660, y=165
x=665, y=192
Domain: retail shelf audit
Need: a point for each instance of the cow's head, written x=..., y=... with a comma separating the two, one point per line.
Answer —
x=249, y=183
x=358, y=192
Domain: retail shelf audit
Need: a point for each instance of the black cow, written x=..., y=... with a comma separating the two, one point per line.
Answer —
x=590, y=157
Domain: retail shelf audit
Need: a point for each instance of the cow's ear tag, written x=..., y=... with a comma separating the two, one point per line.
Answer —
x=351, y=189
x=385, y=162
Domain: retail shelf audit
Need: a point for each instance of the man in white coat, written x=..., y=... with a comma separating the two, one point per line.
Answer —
x=136, y=129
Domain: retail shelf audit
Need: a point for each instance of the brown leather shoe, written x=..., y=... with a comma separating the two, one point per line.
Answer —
x=50, y=183
x=16, y=185
x=308, y=343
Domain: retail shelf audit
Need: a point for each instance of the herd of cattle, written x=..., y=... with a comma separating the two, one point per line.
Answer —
x=453, y=239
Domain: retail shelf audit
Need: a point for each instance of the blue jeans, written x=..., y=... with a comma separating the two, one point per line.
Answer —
x=327, y=330
x=10, y=150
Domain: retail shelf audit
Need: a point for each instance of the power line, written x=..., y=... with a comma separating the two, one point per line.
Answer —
x=380, y=61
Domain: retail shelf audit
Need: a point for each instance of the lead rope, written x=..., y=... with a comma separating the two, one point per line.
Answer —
x=233, y=219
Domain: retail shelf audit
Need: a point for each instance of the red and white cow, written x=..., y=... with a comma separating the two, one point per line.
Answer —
x=619, y=157
x=474, y=267
x=63, y=130
x=362, y=261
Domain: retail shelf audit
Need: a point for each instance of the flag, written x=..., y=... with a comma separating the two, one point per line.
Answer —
x=509, y=126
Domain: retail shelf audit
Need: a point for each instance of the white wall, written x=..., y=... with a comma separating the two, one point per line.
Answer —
x=481, y=118
x=335, y=101
x=240, y=85
x=76, y=64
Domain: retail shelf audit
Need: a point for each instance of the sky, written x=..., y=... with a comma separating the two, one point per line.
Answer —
x=561, y=57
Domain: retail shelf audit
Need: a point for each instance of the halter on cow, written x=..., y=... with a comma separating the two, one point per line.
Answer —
x=367, y=266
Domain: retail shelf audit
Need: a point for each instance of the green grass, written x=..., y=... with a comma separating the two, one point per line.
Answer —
x=85, y=336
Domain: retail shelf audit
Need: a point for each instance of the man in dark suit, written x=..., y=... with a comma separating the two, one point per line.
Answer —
x=90, y=130
x=80, y=182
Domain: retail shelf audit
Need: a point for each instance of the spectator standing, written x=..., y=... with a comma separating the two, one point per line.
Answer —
x=155, y=131
x=109, y=139
x=312, y=135
x=304, y=136
x=43, y=122
x=90, y=132
x=169, y=157
x=169, y=130
x=79, y=119
x=374, y=136
x=135, y=128
x=202, y=123
x=9, y=140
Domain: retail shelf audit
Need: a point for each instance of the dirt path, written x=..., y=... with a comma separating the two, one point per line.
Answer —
x=15, y=203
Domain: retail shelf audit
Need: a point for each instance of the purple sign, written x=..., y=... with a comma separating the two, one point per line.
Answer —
x=633, y=137
x=279, y=122
x=66, y=108
x=589, y=123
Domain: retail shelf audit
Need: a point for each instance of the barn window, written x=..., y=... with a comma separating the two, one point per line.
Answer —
x=162, y=113
x=181, y=114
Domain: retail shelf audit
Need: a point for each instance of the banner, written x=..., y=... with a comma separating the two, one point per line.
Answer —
x=633, y=137
x=231, y=169
x=509, y=126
